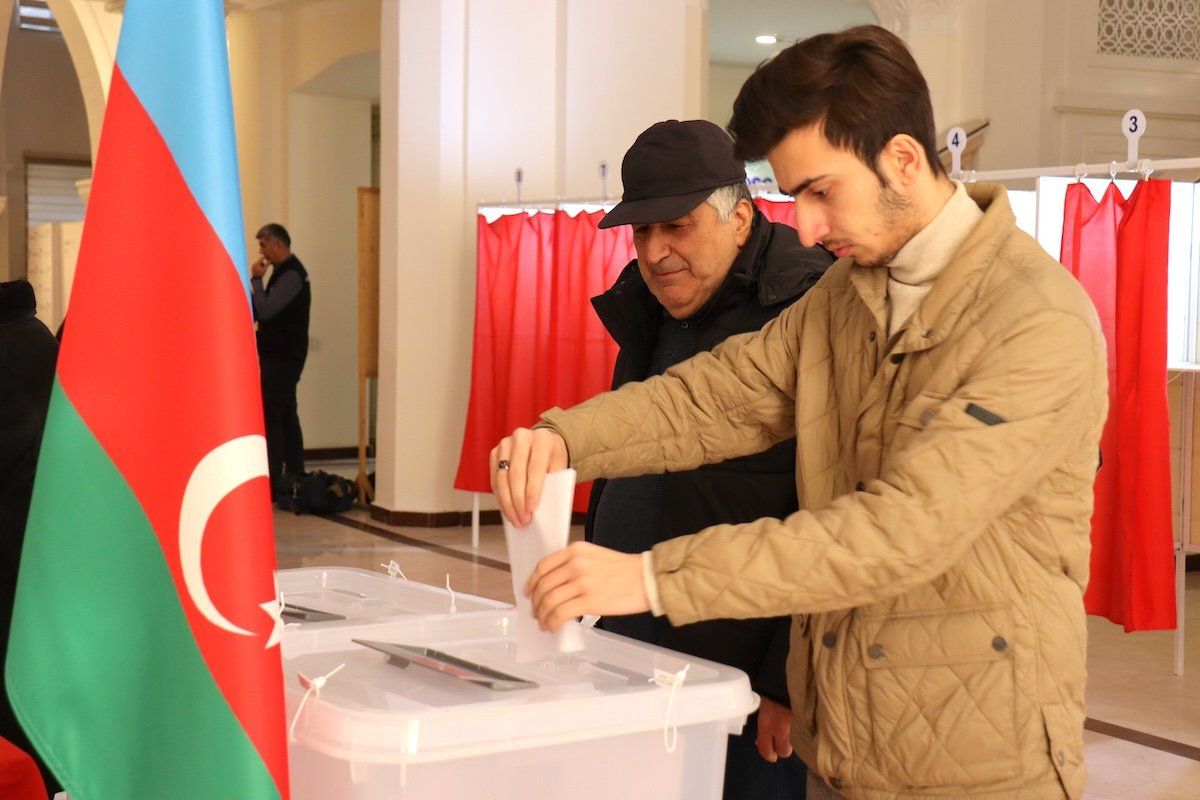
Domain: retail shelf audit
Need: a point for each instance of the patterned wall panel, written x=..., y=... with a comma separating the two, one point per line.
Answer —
x=1149, y=29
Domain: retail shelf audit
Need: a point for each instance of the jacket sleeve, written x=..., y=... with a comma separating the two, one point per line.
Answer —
x=1042, y=387
x=269, y=302
x=771, y=678
x=732, y=401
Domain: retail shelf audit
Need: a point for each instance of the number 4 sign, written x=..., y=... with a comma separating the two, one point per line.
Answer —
x=956, y=141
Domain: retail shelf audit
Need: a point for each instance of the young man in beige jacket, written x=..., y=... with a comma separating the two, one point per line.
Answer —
x=946, y=385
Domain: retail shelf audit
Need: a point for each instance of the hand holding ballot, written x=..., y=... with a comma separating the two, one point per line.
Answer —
x=519, y=466
x=584, y=578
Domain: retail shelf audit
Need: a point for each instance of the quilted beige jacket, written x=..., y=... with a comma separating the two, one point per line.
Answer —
x=946, y=477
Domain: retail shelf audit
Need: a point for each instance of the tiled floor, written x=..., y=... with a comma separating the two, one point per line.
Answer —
x=1131, y=683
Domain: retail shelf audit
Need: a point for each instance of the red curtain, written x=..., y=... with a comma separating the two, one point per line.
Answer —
x=538, y=342
x=1117, y=248
x=777, y=210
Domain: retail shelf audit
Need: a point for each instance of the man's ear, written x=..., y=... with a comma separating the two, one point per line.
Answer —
x=902, y=160
x=743, y=220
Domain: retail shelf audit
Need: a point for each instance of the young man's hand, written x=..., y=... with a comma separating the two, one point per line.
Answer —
x=519, y=466
x=584, y=578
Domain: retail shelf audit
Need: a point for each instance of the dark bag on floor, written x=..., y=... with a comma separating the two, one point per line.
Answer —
x=319, y=493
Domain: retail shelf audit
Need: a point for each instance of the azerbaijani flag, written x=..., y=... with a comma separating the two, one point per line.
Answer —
x=144, y=659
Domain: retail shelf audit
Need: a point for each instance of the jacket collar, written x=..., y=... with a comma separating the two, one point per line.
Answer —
x=956, y=287
x=747, y=270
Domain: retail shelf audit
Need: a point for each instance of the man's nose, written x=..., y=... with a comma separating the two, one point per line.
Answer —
x=656, y=246
x=811, y=226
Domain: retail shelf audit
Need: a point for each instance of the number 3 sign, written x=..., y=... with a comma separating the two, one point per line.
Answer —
x=1133, y=125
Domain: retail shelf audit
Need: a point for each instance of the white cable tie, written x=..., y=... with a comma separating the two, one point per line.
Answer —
x=311, y=686
x=451, y=591
x=393, y=569
x=674, y=680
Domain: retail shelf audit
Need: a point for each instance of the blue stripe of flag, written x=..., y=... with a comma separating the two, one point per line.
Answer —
x=186, y=94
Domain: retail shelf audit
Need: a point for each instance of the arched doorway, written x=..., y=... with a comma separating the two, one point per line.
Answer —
x=45, y=131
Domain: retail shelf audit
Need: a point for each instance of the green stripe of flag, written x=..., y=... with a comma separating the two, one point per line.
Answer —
x=102, y=668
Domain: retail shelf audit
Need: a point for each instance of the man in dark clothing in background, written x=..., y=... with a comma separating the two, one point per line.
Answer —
x=28, y=352
x=281, y=309
x=708, y=266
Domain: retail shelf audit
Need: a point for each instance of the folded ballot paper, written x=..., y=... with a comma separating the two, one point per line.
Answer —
x=546, y=533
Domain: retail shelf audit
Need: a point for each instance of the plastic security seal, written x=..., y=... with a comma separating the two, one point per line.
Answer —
x=311, y=686
x=393, y=570
x=674, y=680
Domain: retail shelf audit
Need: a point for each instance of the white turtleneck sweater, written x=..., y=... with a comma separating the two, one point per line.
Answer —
x=918, y=264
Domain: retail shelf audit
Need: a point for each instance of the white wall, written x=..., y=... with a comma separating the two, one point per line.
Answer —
x=329, y=157
x=1032, y=68
x=621, y=78
x=1018, y=84
x=272, y=52
x=511, y=98
x=1092, y=91
x=724, y=83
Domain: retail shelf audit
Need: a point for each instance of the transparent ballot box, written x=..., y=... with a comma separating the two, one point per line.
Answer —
x=335, y=597
x=381, y=713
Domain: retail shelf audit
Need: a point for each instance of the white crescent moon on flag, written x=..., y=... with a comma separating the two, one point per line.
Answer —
x=224, y=469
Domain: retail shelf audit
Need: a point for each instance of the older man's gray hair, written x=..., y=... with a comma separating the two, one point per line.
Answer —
x=725, y=199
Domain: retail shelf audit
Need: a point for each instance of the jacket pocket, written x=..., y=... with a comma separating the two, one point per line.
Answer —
x=916, y=415
x=1065, y=733
x=921, y=409
x=942, y=699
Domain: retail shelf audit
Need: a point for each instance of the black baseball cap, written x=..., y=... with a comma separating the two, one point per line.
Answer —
x=673, y=167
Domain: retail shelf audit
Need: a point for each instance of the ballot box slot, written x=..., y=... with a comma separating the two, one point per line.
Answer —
x=403, y=656
x=305, y=614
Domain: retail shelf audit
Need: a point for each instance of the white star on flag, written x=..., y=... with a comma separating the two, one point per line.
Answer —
x=274, y=609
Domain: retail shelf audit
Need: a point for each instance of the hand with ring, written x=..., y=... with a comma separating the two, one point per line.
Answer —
x=519, y=467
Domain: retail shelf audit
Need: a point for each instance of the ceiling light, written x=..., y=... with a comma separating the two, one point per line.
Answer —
x=766, y=38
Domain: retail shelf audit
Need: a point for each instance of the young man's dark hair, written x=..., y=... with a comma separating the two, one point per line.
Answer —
x=861, y=85
x=273, y=230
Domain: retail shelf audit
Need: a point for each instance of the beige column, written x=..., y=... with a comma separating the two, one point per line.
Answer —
x=425, y=281
x=472, y=90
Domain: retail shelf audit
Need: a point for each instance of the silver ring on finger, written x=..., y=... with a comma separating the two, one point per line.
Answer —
x=502, y=464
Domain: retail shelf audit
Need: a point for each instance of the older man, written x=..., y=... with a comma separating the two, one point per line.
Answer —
x=708, y=266
x=946, y=383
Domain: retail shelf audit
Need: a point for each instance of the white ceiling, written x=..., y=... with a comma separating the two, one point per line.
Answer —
x=733, y=24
